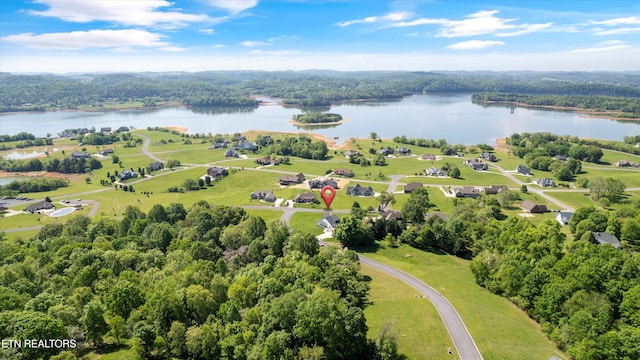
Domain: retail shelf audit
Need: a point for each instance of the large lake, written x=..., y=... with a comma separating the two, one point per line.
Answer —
x=450, y=117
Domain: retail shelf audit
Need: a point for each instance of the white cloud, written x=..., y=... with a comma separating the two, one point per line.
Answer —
x=526, y=29
x=207, y=31
x=631, y=20
x=77, y=40
x=172, y=49
x=233, y=6
x=253, y=43
x=474, y=44
x=617, y=31
x=219, y=46
x=132, y=13
x=399, y=16
x=604, y=47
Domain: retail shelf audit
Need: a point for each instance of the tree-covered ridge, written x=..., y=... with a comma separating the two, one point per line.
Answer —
x=301, y=146
x=317, y=118
x=209, y=282
x=625, y=107
x=50, y=92
x=585, y=296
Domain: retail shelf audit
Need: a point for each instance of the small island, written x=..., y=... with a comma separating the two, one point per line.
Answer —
x=311, y=119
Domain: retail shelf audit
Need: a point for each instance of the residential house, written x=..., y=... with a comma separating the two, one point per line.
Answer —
x=563, y=218
x=306, y=198
x=391, y=215
x=408, y=189
x=155, y=166
x=123, y=129
x=488, y=156
x=386, y=151
x=3, y=209
x=477, y=165
x=217, y=172
x=245, y=145
x=329, y=222
x=343, y=172
x=219, y=145
x=266, y=195
x=606, y=238
x=239, y=138
x=546, y=182
x=450, y=151
x=626, y=163
x=561, y=157
x=434, y=171
x=319, y=184
x=465, y=192
x=403, y=151
x=80, y=155
x=523, y=169
x=349, y=153
x=105, y=130
x=267, y=161
x=531, y=207
x=360, y=190
x=291, y=180
x=428, y=157
x=105, y=152
x=127, y=174
x=231, y=153
x=42, y=205
x=494, y=189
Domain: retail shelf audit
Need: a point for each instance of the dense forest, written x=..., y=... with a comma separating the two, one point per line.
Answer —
x=317, y=118
x=68, y=165
x=627, y=108
x=32, y=185
x=308, y=88
x=208, y=282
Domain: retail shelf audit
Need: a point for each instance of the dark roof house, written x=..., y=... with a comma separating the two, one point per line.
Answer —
x=531, y=207
x=561, y=157
x=546, y=182
x=563, y=218
x=231, y=153
x=80, y=155
x=428, y=157
x=465, y=192
x=343, y=172
x=305, y=198
x=522, y=169
x=360, y=190
x=403, y=151
x=266, y=195
x=217, y=172
x=391, y=215
x=290, y=180
x=329, y=222
x=127, y=174
x=408, y=189
x=494, y=189
x=319, y=184
x=488, y=156
x=105, y=152
x=606, y=238
x=155, y=166
x=42, y=205
x=385, y=151
x=267, y=161
x=219, y=145
x=434, y=171
x=477, y=165
x=245, y=145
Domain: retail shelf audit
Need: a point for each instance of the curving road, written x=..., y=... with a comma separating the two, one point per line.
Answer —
x=462, y=340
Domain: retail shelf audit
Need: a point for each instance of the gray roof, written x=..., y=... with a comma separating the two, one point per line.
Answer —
x=330, y=220
x=606, y=238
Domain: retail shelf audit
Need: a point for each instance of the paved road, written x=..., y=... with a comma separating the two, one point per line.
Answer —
x=145, y=147
x=462, y=340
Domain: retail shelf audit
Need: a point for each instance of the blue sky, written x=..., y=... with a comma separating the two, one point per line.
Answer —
x=193, y=35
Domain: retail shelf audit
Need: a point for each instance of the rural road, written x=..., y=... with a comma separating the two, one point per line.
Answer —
x=465, y=346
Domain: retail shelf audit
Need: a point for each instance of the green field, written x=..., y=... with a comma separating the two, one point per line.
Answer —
x=499, y=328
x=306, y=222
x=419, y=330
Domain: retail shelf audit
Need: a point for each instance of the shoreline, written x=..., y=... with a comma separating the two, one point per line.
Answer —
x=587, y=113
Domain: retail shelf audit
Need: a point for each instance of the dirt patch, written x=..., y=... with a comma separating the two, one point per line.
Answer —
x=180, y=129
x=42, y=174
x=501, y=145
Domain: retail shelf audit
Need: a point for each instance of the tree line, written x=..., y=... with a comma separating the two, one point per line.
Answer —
x=626, y=107
x=33, y=185
x=316, y=118
x=207, y=282
x=68, y=165
x=52, y=92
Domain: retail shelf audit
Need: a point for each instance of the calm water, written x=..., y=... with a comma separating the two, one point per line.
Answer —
x=7, y=180
x=451, y=117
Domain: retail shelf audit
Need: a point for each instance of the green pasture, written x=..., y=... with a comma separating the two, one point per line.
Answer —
x=499, y=328
x=611, y=157
x=306, y=222
x=415, y=322
x=630, y=177
x=267, y=215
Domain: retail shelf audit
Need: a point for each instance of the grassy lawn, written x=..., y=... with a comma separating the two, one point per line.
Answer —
x=21, y=235
x=612, y=157
x=499, y=328
x=419, y=330
x=267, y=215
x=306, y=222
x=630, y=177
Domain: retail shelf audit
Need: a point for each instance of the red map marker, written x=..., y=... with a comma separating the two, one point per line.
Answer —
x=328, y=193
